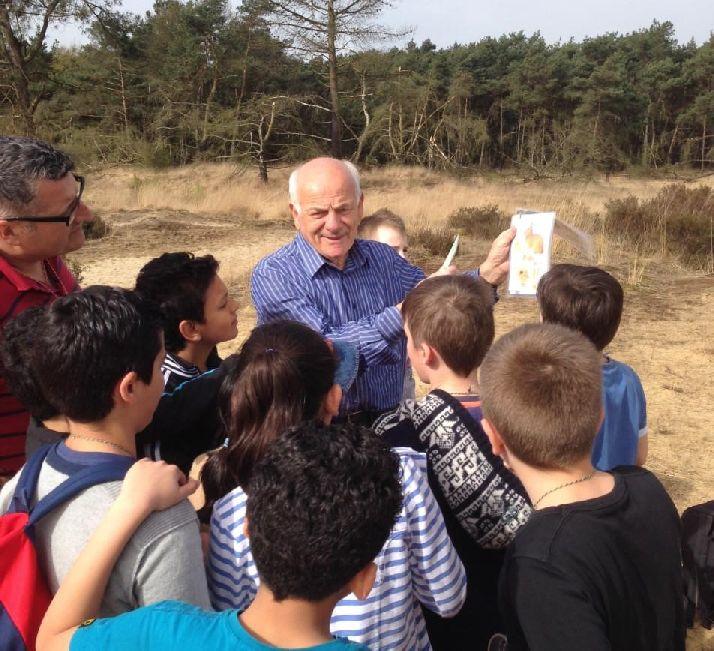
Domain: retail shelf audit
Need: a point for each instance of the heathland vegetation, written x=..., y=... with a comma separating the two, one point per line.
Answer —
x=275, y=82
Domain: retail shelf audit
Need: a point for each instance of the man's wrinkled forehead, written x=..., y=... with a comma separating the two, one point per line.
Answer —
x=326, y=179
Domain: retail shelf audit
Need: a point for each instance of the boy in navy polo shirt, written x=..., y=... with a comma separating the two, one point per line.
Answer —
x=199, y=313
x=589, y=300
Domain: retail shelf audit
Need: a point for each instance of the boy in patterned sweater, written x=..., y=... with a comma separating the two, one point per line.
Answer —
x=449, y=325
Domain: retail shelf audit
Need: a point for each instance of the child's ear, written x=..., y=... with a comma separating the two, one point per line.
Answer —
x=331, y=403
x=362, y=582
x=246, y=533
x=497, y=444
x=430, y=356
x=126, y=388
x=189, y=331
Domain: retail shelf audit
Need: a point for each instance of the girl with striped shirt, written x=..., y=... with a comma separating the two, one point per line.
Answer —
x=285, y=376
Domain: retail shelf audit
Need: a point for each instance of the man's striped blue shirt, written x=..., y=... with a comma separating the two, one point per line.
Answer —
x=417, y=564
x=355, y=304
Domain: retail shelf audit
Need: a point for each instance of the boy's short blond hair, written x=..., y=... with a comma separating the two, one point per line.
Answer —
x=541, y=389
x=367, y=228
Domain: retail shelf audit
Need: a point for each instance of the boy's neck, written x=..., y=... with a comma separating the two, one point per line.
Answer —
x=196, y=354
x=445, y=379
x=290, y=623
x=555, y=487
x=108, y=435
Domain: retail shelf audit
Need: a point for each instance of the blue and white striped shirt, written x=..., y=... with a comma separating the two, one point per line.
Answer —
x=354, y=304
x=418, y=563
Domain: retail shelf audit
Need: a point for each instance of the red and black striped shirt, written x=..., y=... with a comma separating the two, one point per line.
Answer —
x=17, y=293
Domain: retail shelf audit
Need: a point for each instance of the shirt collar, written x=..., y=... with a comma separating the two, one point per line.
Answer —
x=312, y=261
x=21, y=282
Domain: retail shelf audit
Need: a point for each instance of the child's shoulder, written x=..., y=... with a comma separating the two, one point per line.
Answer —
x=231, y=507
x=615, y=370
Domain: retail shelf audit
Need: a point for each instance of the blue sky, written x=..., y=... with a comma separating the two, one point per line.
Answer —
x=449, y=21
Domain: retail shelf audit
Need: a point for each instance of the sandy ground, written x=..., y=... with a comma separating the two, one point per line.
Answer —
x=667, y=333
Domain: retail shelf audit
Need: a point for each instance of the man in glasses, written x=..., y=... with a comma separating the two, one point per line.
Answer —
x=41, y=217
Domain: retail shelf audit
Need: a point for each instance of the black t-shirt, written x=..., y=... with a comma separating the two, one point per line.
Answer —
x=599, y=574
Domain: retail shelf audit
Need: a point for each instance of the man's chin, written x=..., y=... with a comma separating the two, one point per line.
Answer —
x=76, y=241
x=335, y=248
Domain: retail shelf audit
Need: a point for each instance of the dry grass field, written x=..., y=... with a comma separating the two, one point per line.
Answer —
x=667, y=333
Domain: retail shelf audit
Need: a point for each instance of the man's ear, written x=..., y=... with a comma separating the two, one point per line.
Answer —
x=361, y=583
x=189, y=331
x=8, y=232
x=331, y=403
x=296, y=216
x=126, y=388
x=497, y=444
x=360, y=206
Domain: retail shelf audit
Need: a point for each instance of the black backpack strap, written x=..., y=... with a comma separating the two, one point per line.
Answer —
x=101, y=473
x=27, y=483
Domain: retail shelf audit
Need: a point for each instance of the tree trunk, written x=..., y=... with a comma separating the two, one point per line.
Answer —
x=209, y=99
x=335, y=131
x=262, y=168
x=671, y=143
x=704, y=141
x=18, y=76
x=125, y=115
x=363, y=136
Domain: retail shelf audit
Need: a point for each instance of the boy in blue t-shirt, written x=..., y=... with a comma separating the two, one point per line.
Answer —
x=589, y=300
x=321, y=504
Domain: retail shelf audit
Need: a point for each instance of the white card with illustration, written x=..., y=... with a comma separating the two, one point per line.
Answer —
x=530, y=251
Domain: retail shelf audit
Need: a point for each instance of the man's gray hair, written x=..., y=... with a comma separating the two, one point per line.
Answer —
x=293, y=183
x=23, y=161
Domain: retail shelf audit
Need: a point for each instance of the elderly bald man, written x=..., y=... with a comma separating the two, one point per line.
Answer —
x=345, y=288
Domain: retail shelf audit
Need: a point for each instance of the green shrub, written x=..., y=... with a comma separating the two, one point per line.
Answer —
x=96, y=229
x=678, y=221
x=433, y=242
x=483, y=222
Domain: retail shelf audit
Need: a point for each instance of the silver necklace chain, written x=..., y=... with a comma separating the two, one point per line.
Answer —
x=557, y=488
x=104, y=441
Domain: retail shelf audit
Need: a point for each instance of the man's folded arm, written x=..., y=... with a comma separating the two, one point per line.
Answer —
x=375, y=336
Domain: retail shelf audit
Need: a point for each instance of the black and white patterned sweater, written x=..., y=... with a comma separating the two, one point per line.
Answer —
x=483, y=496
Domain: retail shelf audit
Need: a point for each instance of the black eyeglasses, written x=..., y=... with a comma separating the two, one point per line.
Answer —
x=68, y=215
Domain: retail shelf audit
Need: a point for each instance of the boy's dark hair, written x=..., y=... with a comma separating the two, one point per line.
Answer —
x=88, y=341
x=321, y=504
x=18, y=342
x=454, y=315
x=586, y=299
x=383, y=217
x=24, y=161
x=177, y=283
x=541, y=388
x=283, y=373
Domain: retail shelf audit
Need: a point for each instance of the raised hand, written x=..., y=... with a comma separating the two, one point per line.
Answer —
x=495, y=267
